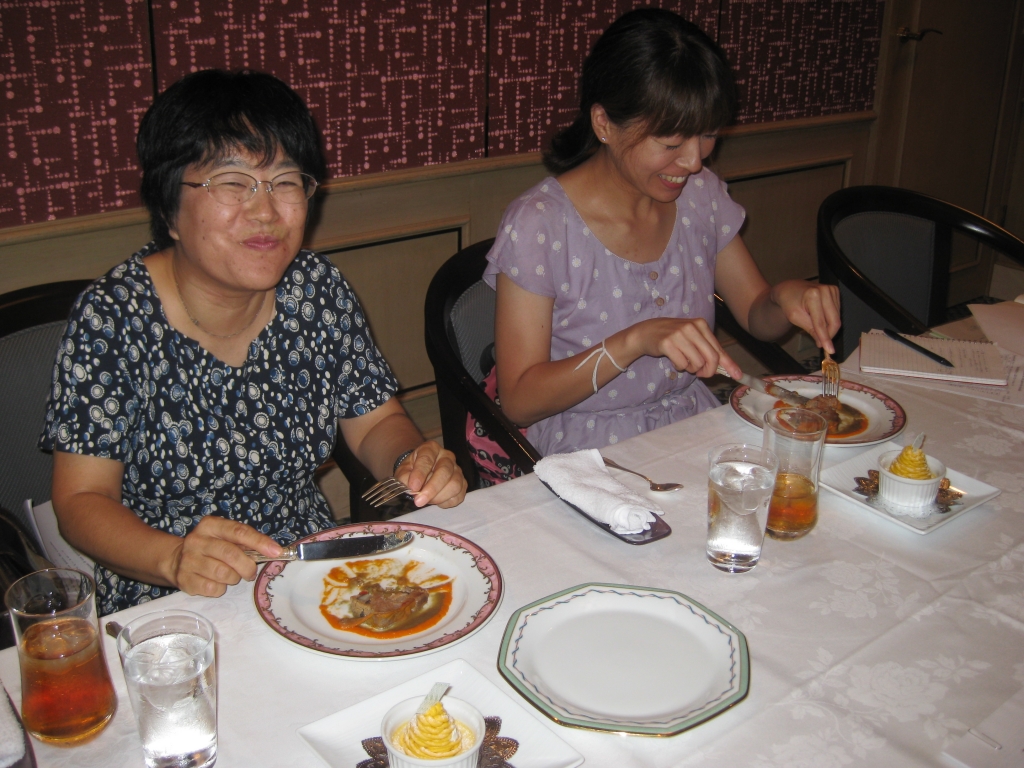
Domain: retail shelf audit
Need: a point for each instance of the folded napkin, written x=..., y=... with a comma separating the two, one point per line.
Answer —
x=582, y=479
x=12, y=738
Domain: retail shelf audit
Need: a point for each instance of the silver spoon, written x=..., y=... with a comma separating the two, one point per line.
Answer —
x=661, y=487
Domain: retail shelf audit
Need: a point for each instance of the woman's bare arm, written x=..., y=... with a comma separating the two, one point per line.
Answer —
x=767, y=311
x=379, y=437
x=533, y=387
x=87, y=502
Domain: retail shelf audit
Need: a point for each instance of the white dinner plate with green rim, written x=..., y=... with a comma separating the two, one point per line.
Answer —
x=630, y=660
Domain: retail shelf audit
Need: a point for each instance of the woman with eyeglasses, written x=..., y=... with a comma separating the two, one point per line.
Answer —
x=201, y=383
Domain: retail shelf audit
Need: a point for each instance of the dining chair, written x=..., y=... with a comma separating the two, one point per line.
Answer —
x=888, y=249
x=459, y=322
x=459, y=329
x=32, y=321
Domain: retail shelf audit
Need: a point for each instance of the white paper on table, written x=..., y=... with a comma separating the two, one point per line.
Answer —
x=1002, y=323
x=1011, y=394
x=998, y=742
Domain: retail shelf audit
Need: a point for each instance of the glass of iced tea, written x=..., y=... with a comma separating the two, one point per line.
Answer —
x=797, y=437
x=66, y=693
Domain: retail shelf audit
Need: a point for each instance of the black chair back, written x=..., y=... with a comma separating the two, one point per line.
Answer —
x=459, y=314
x=889, y=250
x=32, y=321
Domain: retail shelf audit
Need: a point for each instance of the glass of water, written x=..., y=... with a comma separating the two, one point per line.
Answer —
x=740, y=483
x=168, y=662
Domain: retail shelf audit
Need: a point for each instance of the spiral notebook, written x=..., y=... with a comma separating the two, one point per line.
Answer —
x=973, y=361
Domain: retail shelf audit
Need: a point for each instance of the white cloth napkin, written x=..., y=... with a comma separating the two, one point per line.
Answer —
x=12, y=738
x=582, y=479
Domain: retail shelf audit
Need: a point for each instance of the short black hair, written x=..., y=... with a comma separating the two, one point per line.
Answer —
x=654, y=70
x=206, y=115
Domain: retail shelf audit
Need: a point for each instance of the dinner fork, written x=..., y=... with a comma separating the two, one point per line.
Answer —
x=830, y=376
x=387, y=489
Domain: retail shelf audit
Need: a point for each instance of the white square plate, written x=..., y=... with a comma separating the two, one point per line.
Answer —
x=840, y=480
x=337, y=739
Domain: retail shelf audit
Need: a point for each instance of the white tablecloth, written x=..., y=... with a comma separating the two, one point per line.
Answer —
x=870, y=645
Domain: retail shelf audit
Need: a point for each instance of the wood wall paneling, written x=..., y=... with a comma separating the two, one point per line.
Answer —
x=391, y=281
x=782, y=211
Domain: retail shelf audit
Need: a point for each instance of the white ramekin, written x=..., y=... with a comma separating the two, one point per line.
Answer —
x=404, y=711
x=903, y=491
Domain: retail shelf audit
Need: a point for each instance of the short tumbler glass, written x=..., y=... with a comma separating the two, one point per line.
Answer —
x=797, y=437
x=169, y=666
x=66, y=693
x=740, y=483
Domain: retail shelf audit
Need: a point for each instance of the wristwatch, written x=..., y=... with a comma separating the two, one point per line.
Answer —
x=400, y=459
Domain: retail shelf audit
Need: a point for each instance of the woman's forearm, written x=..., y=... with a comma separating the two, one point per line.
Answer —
x=766, y=319
x=115, y=537
x=547, y=388
x=381, y=436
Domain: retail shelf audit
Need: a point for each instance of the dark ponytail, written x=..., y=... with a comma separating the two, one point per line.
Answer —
x=652, y=69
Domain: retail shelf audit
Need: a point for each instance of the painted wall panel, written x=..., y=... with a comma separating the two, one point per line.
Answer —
x=75, y=80
x=392, y=83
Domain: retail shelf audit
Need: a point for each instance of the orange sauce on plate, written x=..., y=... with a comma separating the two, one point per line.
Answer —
x=367, y=571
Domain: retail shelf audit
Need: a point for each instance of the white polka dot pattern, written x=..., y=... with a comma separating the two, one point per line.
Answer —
x=197, y=436
x=588, y=307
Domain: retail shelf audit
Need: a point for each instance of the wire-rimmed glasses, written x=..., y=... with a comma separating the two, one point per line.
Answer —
x=235, y=188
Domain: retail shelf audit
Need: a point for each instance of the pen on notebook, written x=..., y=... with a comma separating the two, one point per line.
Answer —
x=918, y=348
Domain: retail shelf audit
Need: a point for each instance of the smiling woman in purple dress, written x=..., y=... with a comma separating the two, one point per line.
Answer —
x=606, y=272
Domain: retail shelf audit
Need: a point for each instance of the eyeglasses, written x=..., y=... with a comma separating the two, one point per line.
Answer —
x=235, y=188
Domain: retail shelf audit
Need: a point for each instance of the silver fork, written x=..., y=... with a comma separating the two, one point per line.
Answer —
x=830, y=376
x=387, y=489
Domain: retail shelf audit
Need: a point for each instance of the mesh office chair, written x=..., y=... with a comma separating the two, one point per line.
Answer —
x=32, y=321
x=888, y=250
x=459, y=331
x=460, y=341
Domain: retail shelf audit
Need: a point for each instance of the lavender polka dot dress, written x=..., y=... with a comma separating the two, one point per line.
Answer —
x=545, y=246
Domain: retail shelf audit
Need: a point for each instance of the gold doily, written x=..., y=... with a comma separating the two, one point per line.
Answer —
x=494, y=752
x=945, y=499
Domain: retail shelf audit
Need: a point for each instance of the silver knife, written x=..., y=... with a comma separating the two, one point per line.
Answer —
x=356, y=546
x=767, y=388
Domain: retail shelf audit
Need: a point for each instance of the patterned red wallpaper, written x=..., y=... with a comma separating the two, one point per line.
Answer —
x=802, y=58
x=392, y=83
x=537, y=47
x=75, y=80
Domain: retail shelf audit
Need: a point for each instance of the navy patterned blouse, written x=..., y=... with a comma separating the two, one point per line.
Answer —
x=197, y=436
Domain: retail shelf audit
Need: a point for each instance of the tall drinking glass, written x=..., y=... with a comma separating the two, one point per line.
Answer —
x=168, y=662
x=797, y=437
x=66, y=693
x=740, y=482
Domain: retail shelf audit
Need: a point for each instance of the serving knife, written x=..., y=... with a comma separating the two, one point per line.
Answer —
x=334, y=549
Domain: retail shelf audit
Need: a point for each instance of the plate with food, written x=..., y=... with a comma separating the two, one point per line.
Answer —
x=862, y=416
x=338, y=738
x=858, y=480
x=434, y=592
x=692, y=664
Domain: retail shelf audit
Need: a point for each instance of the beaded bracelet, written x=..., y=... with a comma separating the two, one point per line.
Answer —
x=400, y=459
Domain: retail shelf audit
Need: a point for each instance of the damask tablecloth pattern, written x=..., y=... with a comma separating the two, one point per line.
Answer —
x=870, y=645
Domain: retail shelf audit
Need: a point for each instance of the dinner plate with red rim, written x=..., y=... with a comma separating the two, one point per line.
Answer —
x=886, y=417
x=288, y=594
